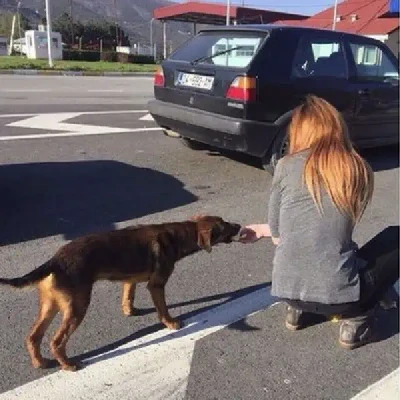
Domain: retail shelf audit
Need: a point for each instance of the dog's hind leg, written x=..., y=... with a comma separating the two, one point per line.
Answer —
x=73, y=306
x=128, y=295
x=157, y=290
x=47, y=311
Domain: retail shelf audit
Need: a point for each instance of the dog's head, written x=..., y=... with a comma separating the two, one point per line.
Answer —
x=214, y=230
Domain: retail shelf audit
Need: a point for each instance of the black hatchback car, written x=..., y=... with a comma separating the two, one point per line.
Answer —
x=235, y=87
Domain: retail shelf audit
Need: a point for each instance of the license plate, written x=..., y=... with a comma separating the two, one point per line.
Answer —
x=195, y=81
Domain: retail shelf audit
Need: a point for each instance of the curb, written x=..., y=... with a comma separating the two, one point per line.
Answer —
x=72, y=73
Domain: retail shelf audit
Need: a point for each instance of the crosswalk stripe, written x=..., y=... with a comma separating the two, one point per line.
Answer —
x=152, y=367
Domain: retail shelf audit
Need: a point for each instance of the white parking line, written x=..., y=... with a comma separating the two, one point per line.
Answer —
x=25, y=90
x=70, y=134
x=80, y=112
x=106, y=90
x=152, y=367
x=388, y=388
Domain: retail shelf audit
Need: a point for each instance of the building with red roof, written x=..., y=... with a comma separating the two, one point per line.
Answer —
x=374, y=18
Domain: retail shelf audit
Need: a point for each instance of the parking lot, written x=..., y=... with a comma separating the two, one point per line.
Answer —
x=79, y=155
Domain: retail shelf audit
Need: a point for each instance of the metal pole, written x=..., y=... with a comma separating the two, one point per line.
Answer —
x=19, y=27
x=228, y=11
x=334, y=15
x=116, y=24
x=10, y=50
x=49, y=39
x=72, y=23
x=165, y=38
x=151, y=33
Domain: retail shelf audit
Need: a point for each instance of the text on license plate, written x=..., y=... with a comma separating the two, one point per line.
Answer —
x=195, y=81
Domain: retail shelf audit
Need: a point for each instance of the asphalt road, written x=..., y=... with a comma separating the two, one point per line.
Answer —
x=59, y=182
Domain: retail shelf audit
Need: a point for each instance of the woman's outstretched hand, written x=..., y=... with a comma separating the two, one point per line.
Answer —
x=253, y=233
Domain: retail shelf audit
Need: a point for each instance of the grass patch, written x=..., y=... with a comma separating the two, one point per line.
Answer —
x=16, y=62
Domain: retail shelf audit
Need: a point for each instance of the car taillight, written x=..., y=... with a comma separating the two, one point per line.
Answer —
x=159, y=77
x=243, y=89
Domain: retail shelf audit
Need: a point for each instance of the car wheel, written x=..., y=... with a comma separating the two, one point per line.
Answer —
x=279, y=149
x=194, y=145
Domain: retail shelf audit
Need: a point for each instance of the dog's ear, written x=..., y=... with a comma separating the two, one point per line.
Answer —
x=204, y=240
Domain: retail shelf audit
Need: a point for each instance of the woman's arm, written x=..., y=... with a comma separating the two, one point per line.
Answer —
x=274, y=204
x=255, y=232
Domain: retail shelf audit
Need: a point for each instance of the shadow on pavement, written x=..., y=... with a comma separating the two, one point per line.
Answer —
x=380, y=159
x=113, y=350
x=75, y=198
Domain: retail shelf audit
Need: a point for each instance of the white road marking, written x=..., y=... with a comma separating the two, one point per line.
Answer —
x=106, y=90
x=55, y=122
x=152, y=367
x=157, y=366
x=70, y=134
x=388, y=388
x=146, y=117
x=113, y=112
x=80, y=112
x=25, y=90
x=16, y=115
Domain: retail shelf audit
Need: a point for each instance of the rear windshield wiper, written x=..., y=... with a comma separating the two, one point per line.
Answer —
x=210, y=57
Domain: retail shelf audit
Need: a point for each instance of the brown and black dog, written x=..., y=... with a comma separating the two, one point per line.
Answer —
x=144, y=253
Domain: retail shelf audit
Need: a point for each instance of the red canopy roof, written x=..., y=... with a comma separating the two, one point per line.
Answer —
x=368, y=17
x=215, y=14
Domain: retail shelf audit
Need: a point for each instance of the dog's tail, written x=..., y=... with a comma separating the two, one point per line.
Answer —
x=31, y=277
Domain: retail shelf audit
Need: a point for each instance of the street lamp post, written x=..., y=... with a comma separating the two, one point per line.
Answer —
x=72, y=22
x=49, y=39
x=228, y=12
x=151, y=38
x=19, y=27
x=117, y=36
x=334, y=15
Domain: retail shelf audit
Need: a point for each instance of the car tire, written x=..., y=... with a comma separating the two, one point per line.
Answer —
x=193, y=144
x=278, y=150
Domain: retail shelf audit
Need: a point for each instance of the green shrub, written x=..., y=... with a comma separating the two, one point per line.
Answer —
x=109, y=56
x=141, y=59
x=81, y=55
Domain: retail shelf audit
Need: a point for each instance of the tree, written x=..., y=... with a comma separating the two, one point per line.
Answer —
x=62, y=24
x=101, y=29
x=90, y=32
x=6, y=25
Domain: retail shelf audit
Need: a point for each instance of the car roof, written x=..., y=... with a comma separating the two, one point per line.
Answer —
x=278, y=27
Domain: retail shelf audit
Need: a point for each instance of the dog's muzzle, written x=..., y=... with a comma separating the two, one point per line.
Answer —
x=237, y=228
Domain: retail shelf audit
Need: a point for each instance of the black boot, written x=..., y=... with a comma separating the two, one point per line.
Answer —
x=293, y=318
x=357, y=331
x=297, y=319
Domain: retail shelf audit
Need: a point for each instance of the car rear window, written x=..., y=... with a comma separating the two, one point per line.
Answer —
x=203, y=48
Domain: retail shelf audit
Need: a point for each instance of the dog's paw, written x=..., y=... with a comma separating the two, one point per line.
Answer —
x=72, y=366
x=128, y=311
x=43, y=363
x=173, y=324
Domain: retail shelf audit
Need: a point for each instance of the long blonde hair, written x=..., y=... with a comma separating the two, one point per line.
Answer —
x=332, y=163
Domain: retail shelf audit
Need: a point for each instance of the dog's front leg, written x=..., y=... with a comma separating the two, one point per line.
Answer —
x=157, y=291
x=128, y=295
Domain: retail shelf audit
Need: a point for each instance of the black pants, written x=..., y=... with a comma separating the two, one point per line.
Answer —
x=376, y=279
